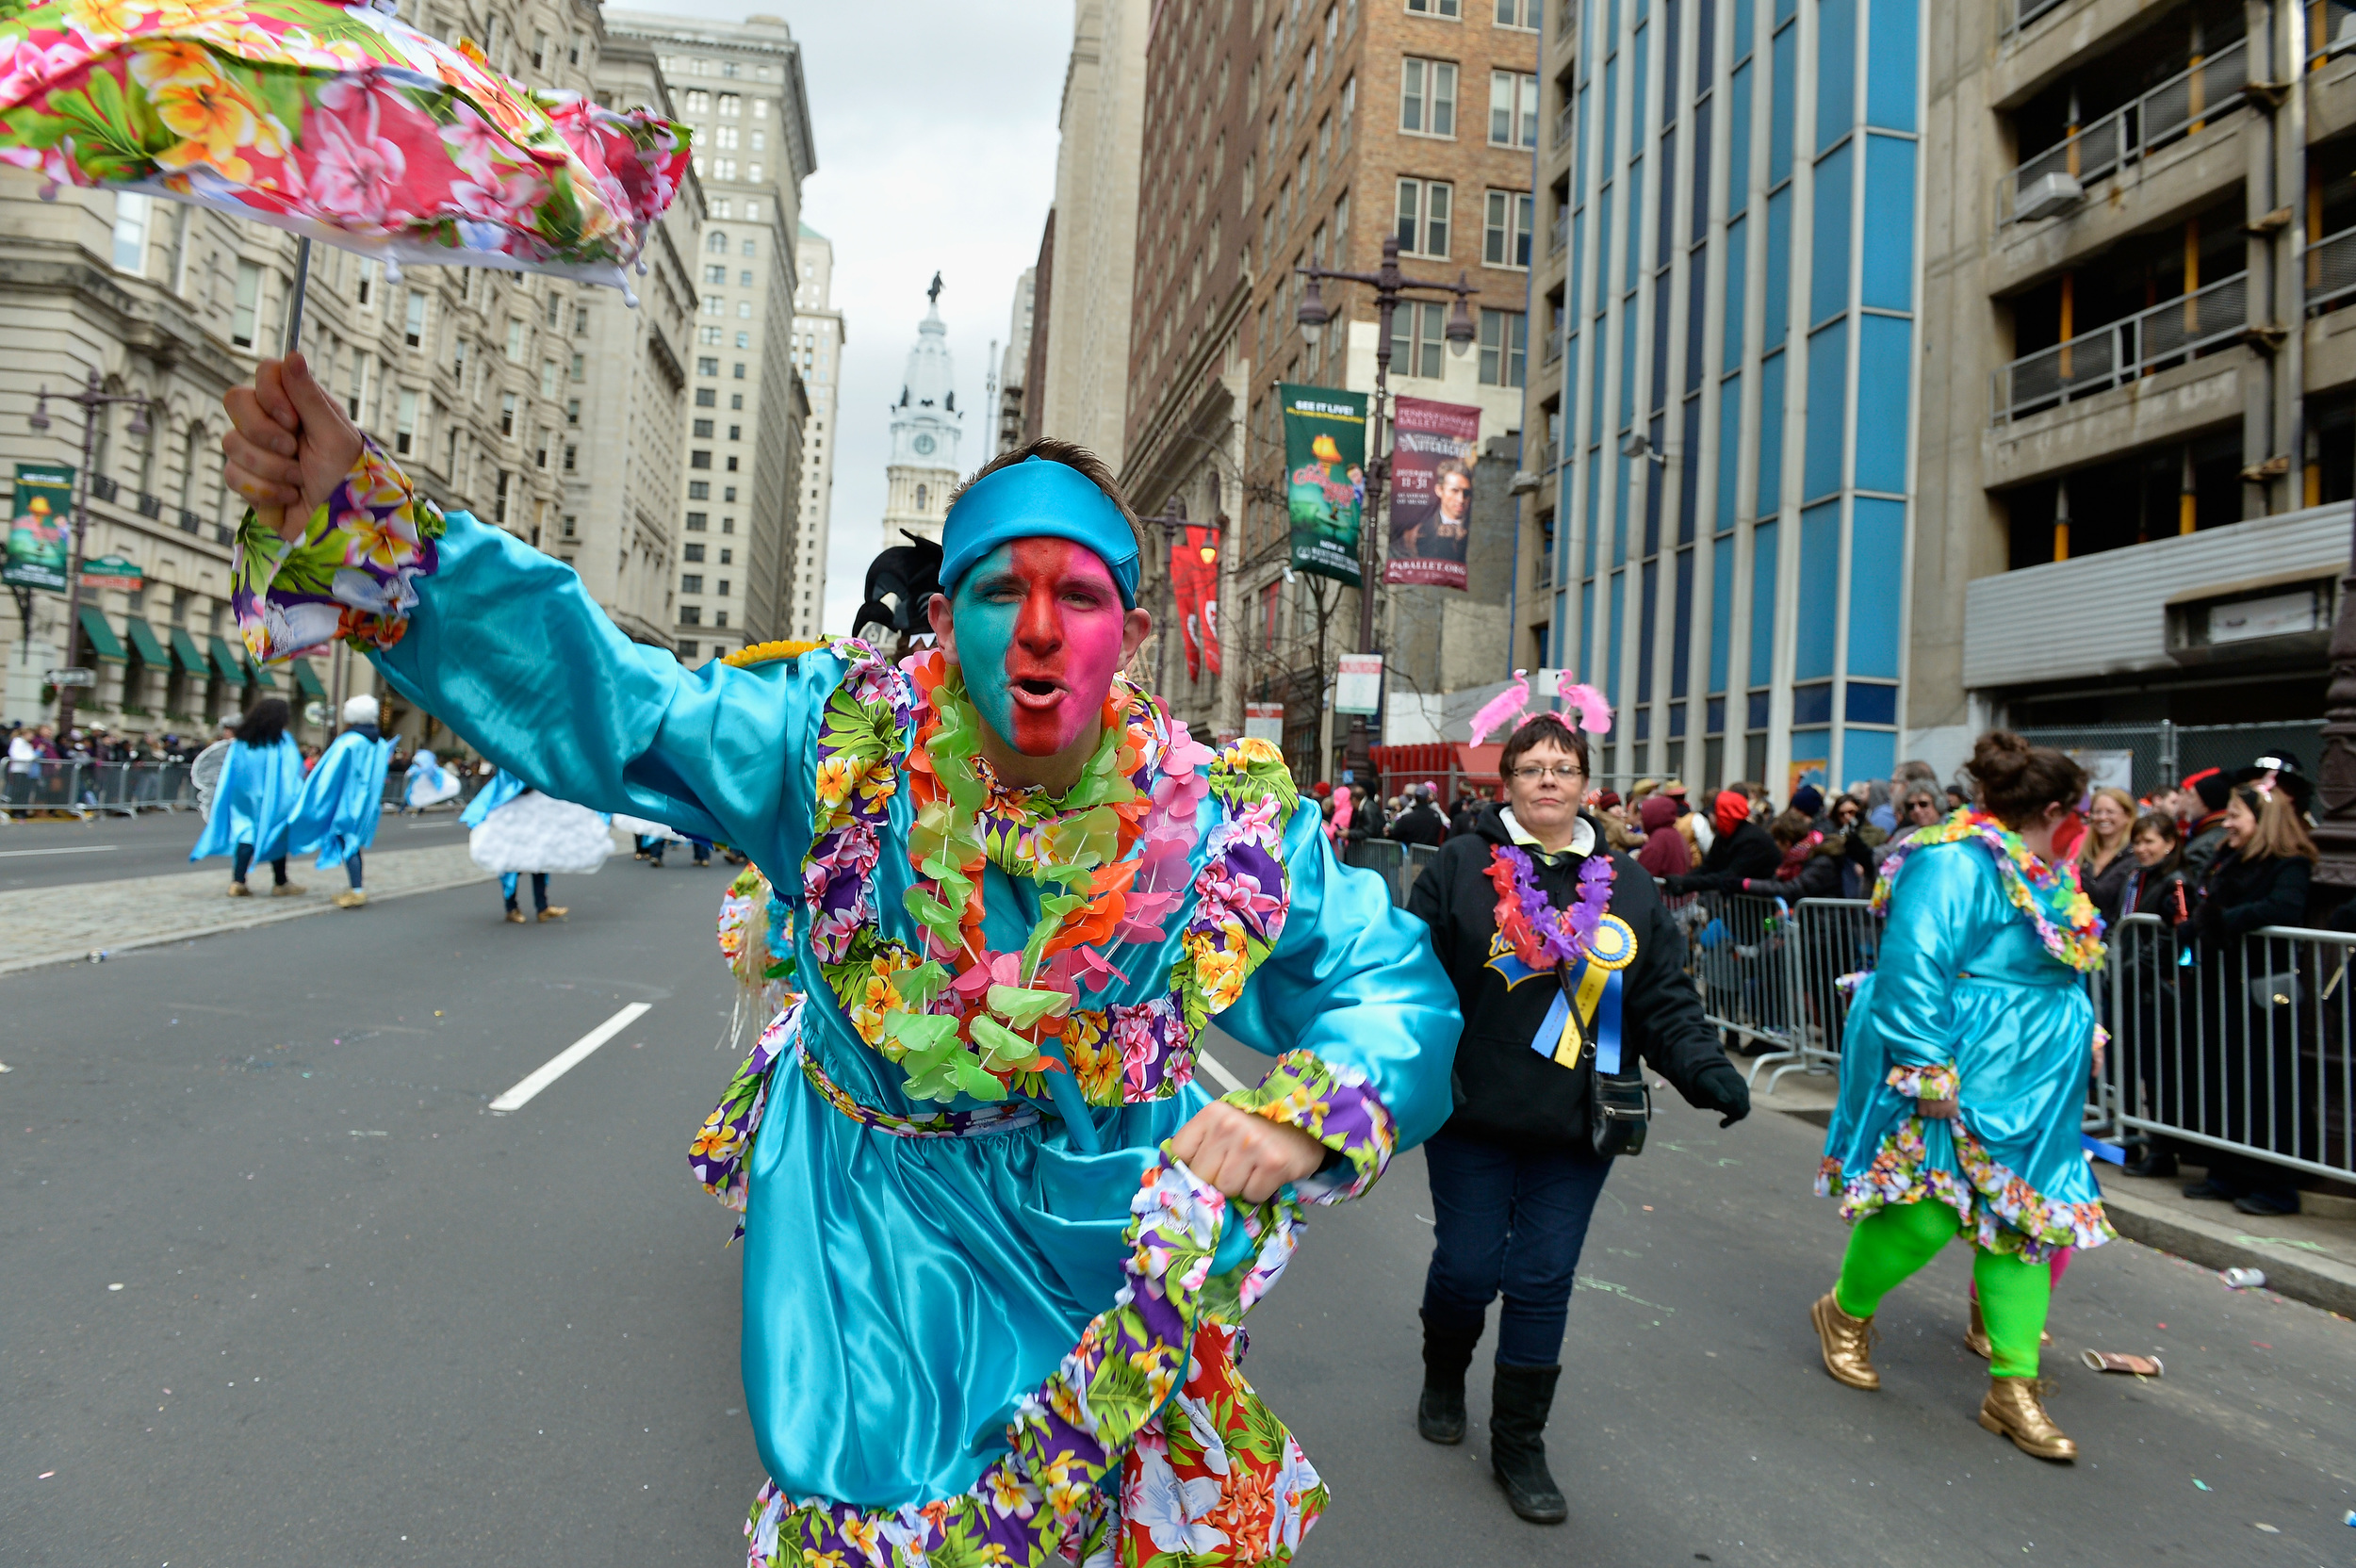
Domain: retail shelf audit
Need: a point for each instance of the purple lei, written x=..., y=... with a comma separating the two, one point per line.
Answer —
x=1564, y=939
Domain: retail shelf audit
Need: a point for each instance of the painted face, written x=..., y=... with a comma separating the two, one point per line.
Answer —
x=1038, y=629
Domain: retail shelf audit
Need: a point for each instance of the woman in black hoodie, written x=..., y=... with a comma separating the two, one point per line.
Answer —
x=1589, y=964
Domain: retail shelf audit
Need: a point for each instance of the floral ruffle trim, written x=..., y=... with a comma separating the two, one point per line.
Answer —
x=1227, y=1476
x=1924, y=1083
x=2004, y=1213
x=2048, y=896
x=1333, y=1105
x=351, y=576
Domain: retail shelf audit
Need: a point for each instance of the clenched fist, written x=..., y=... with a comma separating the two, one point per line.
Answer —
x=1244, y=1155
x=289, y=444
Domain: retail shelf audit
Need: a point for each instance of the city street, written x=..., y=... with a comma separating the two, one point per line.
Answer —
x=46, y=851
x=284, y=1290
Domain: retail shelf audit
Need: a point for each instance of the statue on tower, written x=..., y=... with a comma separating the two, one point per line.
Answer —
x=934, y=293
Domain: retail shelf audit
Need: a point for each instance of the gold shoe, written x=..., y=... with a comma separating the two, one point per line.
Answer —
x=515, y=917
x=286, y=890
x=1848, y=1344
x=554, y=911
x=2012, y=1408
x=239, y=890
x=351, y=898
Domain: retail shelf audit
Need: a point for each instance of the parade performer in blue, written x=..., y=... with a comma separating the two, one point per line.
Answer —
x=1963, y=1073
x=343, y=798
x=998, y=1243
x=518, y=832
x=261, y=778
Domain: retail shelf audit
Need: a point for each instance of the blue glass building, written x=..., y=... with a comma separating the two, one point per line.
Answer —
x=1732, y=445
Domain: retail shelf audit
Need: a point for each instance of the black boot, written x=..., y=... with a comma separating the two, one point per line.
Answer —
x=1517, y=1447
x=1447, y=1352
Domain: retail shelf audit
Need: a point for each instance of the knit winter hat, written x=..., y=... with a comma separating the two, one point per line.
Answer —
x=1730, y=809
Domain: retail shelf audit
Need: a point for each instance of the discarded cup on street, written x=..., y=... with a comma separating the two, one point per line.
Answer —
x=2245, y=1279
x=2112, y=1361
x=97, y=954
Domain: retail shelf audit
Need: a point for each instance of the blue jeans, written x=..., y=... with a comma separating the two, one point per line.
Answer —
x=1511, y=1220
x=242, y=861
x=539, y=889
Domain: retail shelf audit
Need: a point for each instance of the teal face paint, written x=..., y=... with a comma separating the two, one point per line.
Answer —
x=1039, y=633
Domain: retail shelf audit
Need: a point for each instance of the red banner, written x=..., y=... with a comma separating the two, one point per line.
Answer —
x=1194, y=576
x=1434, y=447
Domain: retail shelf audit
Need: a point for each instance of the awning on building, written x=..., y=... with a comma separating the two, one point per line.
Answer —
x=103, y=640
x=191, y=658
x=259, y=676
x=306, y=676
x=226, y=665
x=143, y=643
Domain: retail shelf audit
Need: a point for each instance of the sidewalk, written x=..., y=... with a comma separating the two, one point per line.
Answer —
x=2308, y=1257
x=67, y=925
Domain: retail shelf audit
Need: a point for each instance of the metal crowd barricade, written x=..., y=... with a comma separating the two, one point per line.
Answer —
x=1834, y=940
x=1743, y=962
x=44, y=785
x=82, y=788
x=1397, y=864
x=2245, y=1049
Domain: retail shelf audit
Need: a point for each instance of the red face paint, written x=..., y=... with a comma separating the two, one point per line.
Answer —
x=1044, y=617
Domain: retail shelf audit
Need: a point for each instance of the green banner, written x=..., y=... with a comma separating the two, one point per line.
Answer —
x=37, y=555
x=1325, y=476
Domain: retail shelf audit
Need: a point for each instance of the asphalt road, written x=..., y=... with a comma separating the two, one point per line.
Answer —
x=54, y=851
x=363, y=1319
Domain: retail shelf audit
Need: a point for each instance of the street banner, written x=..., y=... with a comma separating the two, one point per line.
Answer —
x=1358, y=689
x=1264, y=721
x=1325, y=476
x=1194, y=576
x=37, y=555
x=112, y=571
x=1434, y=447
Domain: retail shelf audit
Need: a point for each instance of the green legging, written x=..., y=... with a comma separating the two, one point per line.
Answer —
x=1890, y=1246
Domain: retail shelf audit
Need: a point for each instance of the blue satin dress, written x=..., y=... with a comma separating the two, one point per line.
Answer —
x=254, y=801
x=342, y=799
x=1966, y=994
x=900, y=1293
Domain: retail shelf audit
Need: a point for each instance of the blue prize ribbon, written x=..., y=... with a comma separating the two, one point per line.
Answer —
x=1608, y=1028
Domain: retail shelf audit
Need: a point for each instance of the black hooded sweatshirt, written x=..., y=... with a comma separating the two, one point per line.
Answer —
x=1506, y=1093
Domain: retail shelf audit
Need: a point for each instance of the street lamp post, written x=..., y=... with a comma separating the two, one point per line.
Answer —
x=94, y=402
x=1389, y=285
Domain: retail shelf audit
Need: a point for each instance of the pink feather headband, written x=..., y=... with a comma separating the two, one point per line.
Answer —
x=1509, y=707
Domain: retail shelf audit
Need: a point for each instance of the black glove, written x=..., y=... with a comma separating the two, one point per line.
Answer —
x=1719, y=1088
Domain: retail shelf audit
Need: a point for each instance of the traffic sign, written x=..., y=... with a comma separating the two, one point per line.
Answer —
x=70, y=678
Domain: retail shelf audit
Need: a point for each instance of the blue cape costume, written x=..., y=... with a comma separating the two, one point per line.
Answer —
x=253, y=801
x=504, y=787
x=342, y=799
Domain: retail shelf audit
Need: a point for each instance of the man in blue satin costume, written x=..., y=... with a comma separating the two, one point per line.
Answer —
x=343, y=799
x=998, y=1242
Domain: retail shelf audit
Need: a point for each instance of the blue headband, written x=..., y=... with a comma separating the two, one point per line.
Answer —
x=1037, y=498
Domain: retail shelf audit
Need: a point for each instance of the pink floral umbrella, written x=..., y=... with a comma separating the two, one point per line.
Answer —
x=334, y=122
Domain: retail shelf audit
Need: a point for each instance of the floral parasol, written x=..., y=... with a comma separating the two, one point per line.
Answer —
x=335, y=122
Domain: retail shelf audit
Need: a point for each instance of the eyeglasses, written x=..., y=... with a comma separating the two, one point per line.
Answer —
x=1537, y=770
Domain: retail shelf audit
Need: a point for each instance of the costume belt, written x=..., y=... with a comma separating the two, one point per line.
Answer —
x=1008, y=1118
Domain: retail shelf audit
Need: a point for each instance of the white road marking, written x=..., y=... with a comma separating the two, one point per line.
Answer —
x=71, y=849
x=1209, y=1063
x=568, y=1059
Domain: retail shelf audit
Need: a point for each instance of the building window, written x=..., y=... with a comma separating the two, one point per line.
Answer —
x=743, y=340
x=707, y=367
x=1424, y=209
x=720, y=617
x=1504, y=347
x=692, y=552
x=515, y=341
x=572, y=458
x=571, y=521
x=572, y=412
x=405, y=425
x=413, y=325
x=1418, y=338
x=581, y=320
x=364, y=287
x=696, y=521
x=731, y=464
x=709, y=338
x=1435, y=8
x=1505, y=236
x=715, y=276
x=698, y=101
x=691, y=582
x=547, y=379
x=1513, y=108
x=923, y=494
x=1345, y=113
x=1427, y=97
x=722, y=591
x=713, y=306
x=249, y=299
x=724, y=168
x=724, y=136
x=580, y=367
x=744, y=310
x=691, y=614
x=699, y=460
x=507, y=413
x=698, y=489
x=130, y=229
x=703, y=429
x=706, y=396
x=499, y=505
x=731, y=105
x=718, y=242
x=690, y=649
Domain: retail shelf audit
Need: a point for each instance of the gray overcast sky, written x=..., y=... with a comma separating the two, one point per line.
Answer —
x=935, y=125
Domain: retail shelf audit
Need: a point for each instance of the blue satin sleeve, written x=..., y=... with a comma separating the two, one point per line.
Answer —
x=1354, y=981
x=1934, y=919
x=506, y=647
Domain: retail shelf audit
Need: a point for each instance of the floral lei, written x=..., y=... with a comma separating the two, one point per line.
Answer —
x=1541, y=934
x=1115, y=849
x=2048, y=895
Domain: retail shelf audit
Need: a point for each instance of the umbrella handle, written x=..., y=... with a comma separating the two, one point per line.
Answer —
x=294, y=302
